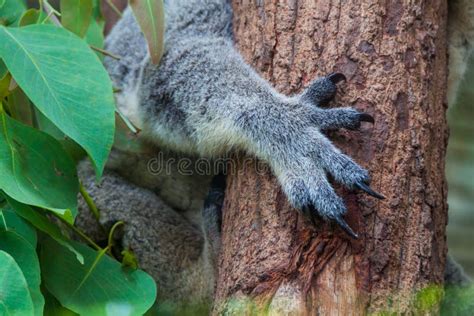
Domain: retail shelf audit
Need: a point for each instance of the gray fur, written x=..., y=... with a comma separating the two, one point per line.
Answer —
x=166, y=244
x=204, y=101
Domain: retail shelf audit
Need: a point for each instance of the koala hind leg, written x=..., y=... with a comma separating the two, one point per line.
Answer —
x=171, y=249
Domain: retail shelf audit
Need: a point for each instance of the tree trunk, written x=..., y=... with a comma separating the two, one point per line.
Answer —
x=394, y=55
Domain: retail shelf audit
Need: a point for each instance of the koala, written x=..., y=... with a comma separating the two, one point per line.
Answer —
x=204, y=101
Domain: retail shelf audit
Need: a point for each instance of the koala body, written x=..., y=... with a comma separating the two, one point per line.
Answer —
x=203, y=100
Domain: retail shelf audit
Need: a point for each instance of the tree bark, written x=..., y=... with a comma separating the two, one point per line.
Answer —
x=394, y=55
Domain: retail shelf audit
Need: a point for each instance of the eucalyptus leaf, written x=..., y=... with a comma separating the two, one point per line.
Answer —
x=4, y=84
x=95, y=36
x=76, y=15
x=71, y=147
x=20, y=107
x=66, y=81
x=53, y=307
x=25, y=256
x=35, y=168
x=11, y=11
x=18, y=225
x=3, y=69
x=150, y=16
x=41, y=222
x=32, y=16
x=15, y=299
x=96, y=12
x=99, y=287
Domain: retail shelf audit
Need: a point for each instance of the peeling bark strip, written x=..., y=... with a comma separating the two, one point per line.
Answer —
x=394, y=55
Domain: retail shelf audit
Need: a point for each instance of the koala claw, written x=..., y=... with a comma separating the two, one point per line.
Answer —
x=311, y=213
x=345, y=227
x=364, y=187
x=336, y=77
x=364, y=117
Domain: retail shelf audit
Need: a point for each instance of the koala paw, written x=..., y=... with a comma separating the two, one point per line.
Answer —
x=312, y=155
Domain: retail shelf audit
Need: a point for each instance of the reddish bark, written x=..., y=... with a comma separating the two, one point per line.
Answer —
x=394, y=55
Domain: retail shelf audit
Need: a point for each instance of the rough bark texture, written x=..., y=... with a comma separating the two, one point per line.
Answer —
x=394, y=55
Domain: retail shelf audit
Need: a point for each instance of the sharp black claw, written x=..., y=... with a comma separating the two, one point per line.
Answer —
x=345, y=227
x=364, y=117
x=336, y=77
x=368, y=190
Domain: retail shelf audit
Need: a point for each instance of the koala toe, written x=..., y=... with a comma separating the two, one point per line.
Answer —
x=332, y=119
x=322, y=90
x=327, y=204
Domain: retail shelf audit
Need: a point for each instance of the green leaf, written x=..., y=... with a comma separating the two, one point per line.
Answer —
x=96, y=12
x=45, y=125
x=66, y=82
x=35, y=168
x=41, y=222
x=95, y=36
x=53, y=307
x=71, y=147
x=25, y=256
x=11, y=11
x=150, y=16
x=4, y=83
x=32, y=16
x=20, y=107
x=15, y=299
x=99, y=287
x=17, y=225
x=3, y=69
x=76, y=15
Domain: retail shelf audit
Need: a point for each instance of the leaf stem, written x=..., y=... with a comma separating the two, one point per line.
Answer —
x=113, y=7
x=76, y=230
x=111, y=234
x=127, y=122
x=104, y=52
x=89, y=201
x=51, y=13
